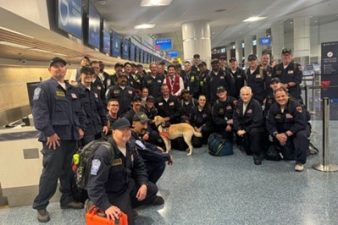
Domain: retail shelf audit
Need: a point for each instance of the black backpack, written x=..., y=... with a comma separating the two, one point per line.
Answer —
x=86, y=155
x=218, y=146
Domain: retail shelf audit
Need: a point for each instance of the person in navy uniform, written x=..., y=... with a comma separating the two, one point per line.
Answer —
x=118, y=179
x=249, y=124
x=136, y=107
x=238, y=75
x=168, y=106
x=187, y=103
x=153, y=156
x=153, y=81
x=289, y=73
x=113, y=108
x=191, y=79
x=122, y=92
x=256, y=79
x=265, y=64
x=222, y=112
x=204, y=73
x=270, y=98
x=200, y=119
x=287, y=124
x=59, y=119
x=98, y=84
x=217, y=78
x=96, y=120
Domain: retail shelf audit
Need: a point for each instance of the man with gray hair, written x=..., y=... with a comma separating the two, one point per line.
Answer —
x=249, y=124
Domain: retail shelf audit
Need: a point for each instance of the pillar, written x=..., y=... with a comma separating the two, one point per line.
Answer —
x=196, y=39
x=301, y=39
x=277, y=35
x=247, y=46
x=239, y=51
x=258, y=45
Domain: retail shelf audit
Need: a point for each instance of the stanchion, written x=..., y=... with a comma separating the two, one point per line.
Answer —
x=326, y=166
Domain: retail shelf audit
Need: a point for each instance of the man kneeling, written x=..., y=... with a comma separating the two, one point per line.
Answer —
x=118, y=179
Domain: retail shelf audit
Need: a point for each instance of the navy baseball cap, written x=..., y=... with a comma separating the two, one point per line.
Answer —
x=232, y=59
x=56, y=60
x=220, y=89
x=286, y=51
x=120, y=124
x=275, y=80
x=252, y=57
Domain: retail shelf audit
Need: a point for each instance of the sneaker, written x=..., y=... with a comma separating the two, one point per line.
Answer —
x=73, y=205
x=43, y=216
x=299, y=167
x=158, y=200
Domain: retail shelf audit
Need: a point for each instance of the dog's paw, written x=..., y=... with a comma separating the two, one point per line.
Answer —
x=189, y=154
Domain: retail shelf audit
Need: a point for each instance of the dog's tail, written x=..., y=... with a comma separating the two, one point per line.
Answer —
x=197, y=134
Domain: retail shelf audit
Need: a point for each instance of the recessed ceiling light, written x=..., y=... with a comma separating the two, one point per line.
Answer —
x=13, y=44
x=144, y=26
x=254, y=18
x=149, y=3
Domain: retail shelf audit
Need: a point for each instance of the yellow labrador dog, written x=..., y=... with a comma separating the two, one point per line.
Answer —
x=184, y=130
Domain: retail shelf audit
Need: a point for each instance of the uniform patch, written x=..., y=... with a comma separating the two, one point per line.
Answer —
x=249, y=111
x=95, y=167
x=221, y=77
x=149, y=81
x=130, y=92
x=258, y=76
x=116, y=92
x=290, y=72
x=37, y=92
x=60, y=93
x=278, y=72
x=74, y=96
x=159, y=81
x=192, y=79
x=171, y=103
x=99, y=88
x=160, y=103
x=140, y=144
x=229, y=107
x=299, y=109
x=116, y=162
x=288, y=116
x=96, y=95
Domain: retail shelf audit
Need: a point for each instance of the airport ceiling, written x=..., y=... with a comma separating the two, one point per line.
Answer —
x=225, y=16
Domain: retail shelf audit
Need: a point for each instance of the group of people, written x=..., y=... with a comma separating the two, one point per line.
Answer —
x=246, y=107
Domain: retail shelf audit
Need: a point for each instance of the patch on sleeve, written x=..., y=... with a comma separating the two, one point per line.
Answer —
x=37, y=92
x=95, y=167
x=299, y=109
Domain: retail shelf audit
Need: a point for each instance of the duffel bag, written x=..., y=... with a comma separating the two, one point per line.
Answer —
x=218, y=146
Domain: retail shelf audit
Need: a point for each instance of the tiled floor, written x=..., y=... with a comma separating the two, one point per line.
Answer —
x=206, y=190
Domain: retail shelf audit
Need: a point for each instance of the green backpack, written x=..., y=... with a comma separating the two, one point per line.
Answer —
x=84, y=161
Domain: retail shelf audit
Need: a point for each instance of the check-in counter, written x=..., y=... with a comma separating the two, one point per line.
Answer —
x=20, y=165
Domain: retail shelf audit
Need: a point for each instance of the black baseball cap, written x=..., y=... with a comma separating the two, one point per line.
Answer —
x=232, y=59
x=196, y=56
x=120, y=124
x=222, y=57
x=141, y=117
x=214, y=61
x=275, y=80
x=286, y=51
x=118, y=65
x=137, y=99
x=56, y=60
x=150, y=99
x=252, y=57
x=220, y=89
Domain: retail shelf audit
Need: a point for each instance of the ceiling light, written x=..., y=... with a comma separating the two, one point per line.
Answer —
x=254, y=19
x=149, y=3
x=13, y=44
x=144, y=26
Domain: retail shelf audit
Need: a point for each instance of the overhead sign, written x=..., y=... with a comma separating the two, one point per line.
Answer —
x=163, y=44
x=70, y=17
x=265, y=41
x=172, y=54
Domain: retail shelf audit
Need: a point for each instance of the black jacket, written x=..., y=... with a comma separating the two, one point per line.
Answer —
x=111, y=174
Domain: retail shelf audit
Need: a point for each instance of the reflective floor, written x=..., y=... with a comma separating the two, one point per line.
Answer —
x=230, y=190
